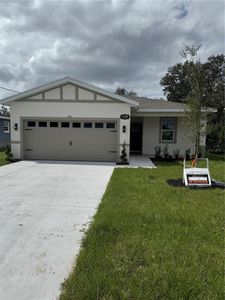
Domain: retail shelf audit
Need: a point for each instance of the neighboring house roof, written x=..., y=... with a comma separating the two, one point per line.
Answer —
x=62, y=81
x=157, y=105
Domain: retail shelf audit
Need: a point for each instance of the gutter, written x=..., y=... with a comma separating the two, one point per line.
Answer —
x=159, y=110
x=4, y=118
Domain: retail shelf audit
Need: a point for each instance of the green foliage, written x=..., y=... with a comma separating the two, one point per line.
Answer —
x=196, y=111
x=188, y=154
x=178, y=86
x=158, y=151
x=150, y=240
x=123, y=156
x=176, y=153
x=195, y=93
x=123, y=92
x=175, y=84
x=196, y=116
x=215, y=77
x=8, y=154
x=189, y=52
x=166, y=152
x=216, y=132
x=3, y=158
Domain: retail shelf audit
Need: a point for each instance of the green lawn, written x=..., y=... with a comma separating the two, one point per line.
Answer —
x=3, y=160
x=149, y=240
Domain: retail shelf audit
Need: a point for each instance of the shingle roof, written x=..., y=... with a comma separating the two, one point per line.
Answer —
x=157, y=104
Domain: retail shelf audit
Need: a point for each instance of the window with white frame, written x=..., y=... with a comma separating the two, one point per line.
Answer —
x=6, y=126
x=168, y=130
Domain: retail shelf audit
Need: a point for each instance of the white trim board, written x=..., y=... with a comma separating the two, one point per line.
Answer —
x=63, y=81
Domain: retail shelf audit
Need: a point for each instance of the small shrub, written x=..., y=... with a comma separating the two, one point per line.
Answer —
x=8, y=154
x=176, y=153
x=188, y=154
x=123, y=156
x=166, y=152
x=158, y=151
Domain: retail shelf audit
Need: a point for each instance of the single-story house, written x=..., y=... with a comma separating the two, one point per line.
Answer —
x=4, y=131
x=71, y=120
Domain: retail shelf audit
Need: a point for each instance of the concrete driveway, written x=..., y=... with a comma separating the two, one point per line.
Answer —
x=44, y=209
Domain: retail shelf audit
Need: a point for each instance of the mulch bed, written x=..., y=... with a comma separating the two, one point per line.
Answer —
x=176, y=182
x=179, y=183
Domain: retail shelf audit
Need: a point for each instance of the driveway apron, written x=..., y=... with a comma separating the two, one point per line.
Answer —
x=45, y=207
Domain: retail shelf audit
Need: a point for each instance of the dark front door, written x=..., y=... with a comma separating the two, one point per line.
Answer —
x=136, y=138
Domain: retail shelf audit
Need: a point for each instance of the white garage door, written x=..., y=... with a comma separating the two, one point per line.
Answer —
x=74, y=140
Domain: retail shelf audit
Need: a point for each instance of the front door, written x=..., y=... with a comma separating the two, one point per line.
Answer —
x=136, y=138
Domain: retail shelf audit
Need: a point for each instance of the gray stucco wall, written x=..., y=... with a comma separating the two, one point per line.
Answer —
x=4, y=137
x=151, y=133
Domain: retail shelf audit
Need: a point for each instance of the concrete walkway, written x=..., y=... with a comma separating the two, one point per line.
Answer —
x=44, y=209
x=139, y=161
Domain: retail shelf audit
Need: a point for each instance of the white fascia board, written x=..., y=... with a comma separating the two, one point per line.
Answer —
x=159, y=110
x=66, y=80
x=4, y=118
x=103, y=92
x=209, y=110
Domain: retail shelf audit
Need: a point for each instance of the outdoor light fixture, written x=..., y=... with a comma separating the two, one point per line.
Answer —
x=124, y=128
x=16, y=126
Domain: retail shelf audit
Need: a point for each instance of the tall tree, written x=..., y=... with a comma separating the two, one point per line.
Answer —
x=195, y=98
x=123, y=92
x=215, y=77
x=176, y=86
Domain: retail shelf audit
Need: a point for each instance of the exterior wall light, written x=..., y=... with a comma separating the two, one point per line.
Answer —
x=124, y=128
x=16, y=126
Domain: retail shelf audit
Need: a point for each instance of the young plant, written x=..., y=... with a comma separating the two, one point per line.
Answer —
x=188, y=154
x=176, y=153
x=196, y=111
x=123, y=156
x=166, y=152
x=8, y=153
x=158, y=151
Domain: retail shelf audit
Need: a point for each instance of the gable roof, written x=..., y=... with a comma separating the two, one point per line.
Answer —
x=158, y=105
x=62, y=81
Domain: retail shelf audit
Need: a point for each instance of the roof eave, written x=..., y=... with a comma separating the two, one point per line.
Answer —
x=160, y=110
x=66, y=80
x=4, y=118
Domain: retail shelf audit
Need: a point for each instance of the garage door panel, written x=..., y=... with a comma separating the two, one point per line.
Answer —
x=93, y=144
x=95, y=138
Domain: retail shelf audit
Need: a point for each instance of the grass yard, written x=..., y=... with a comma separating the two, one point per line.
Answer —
x=150, y=240
x=3, y=160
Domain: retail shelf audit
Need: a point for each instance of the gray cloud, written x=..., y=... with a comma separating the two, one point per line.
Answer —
x=107, y=43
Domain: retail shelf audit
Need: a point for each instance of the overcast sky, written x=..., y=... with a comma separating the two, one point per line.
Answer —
x=106, y=43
